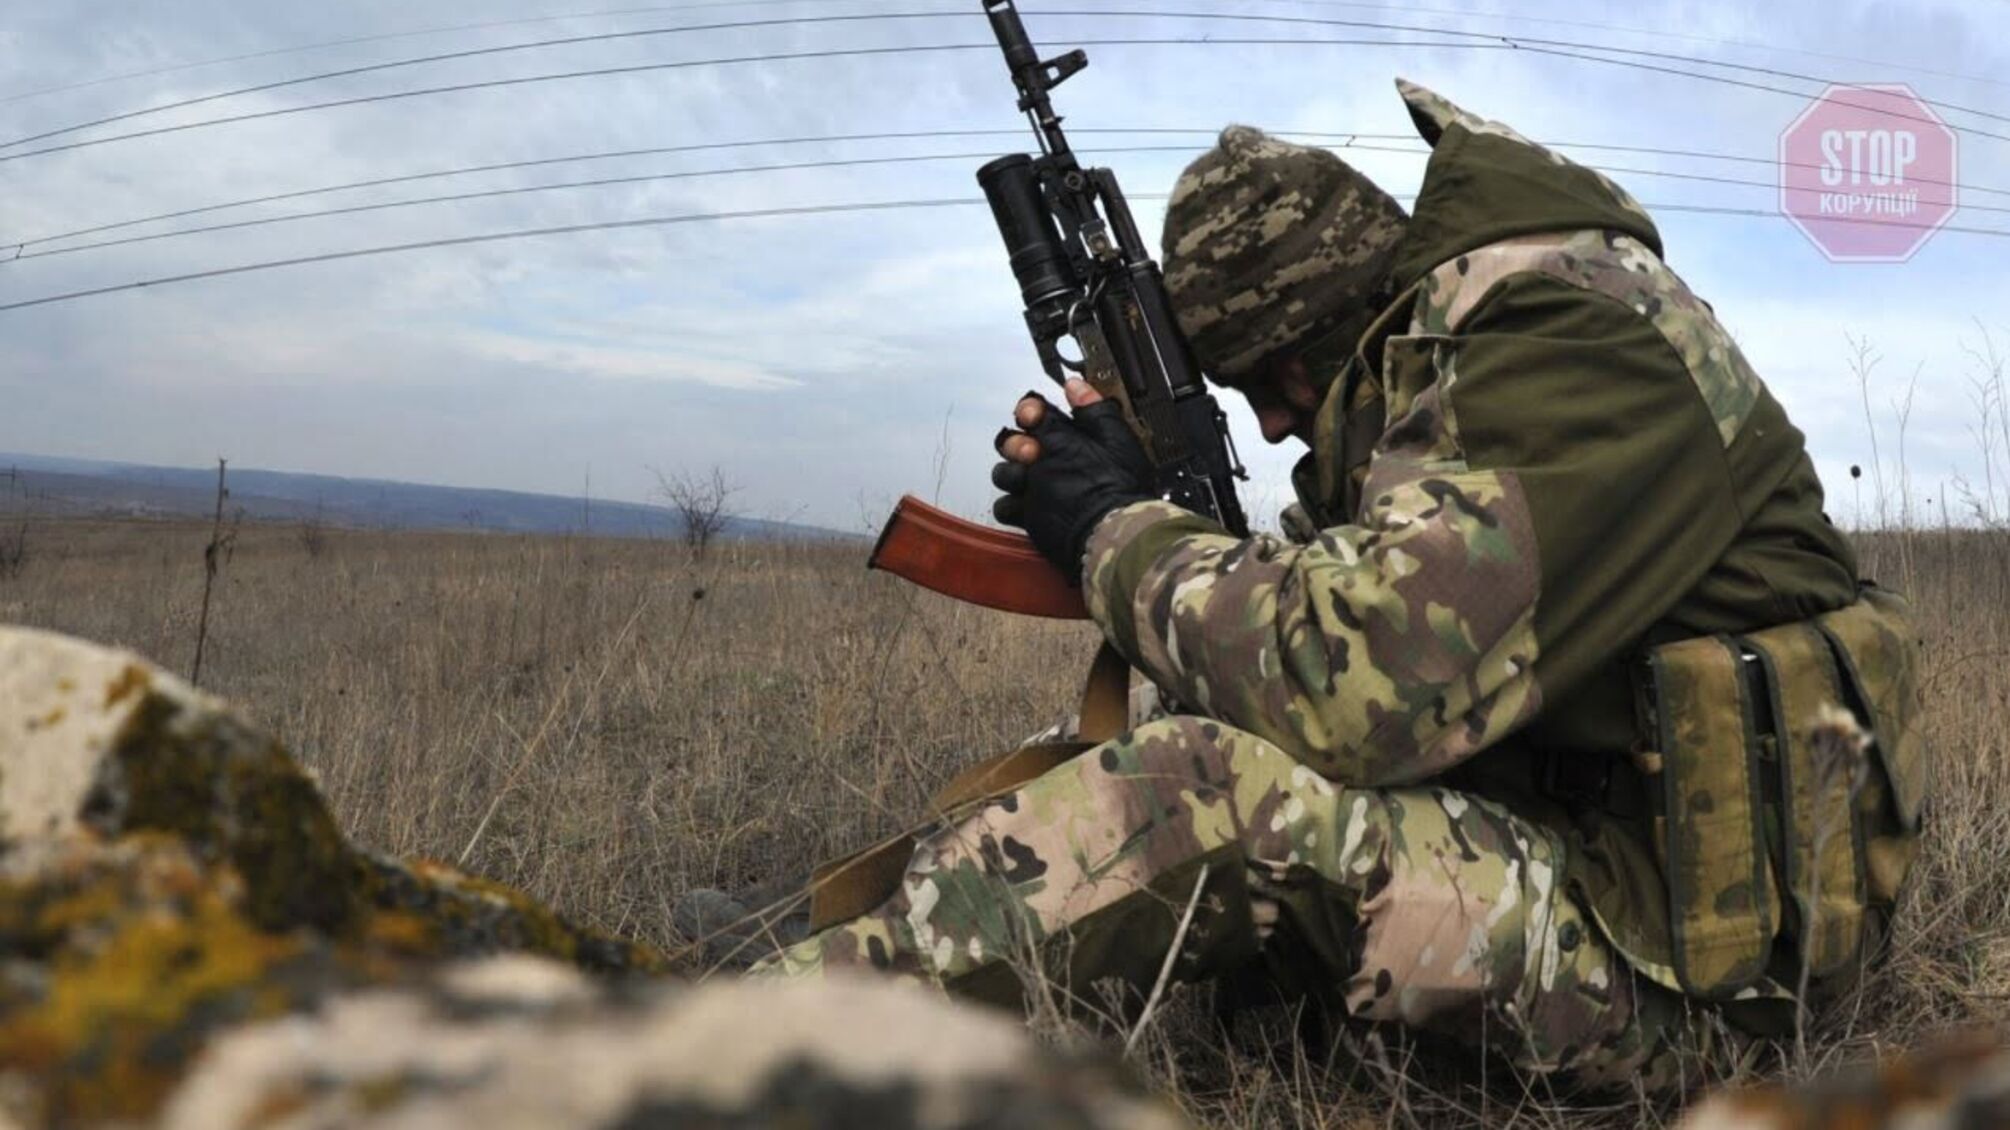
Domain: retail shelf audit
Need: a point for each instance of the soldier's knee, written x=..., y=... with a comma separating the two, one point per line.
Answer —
x=1186, y=745
x=1442, y=930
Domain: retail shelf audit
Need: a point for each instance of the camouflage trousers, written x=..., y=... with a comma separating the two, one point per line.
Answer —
x=1423, y=907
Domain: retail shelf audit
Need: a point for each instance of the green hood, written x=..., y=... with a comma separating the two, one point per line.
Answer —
x=1486, y=183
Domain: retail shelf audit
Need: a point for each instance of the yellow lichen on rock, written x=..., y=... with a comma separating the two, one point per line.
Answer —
x=439, y=909
x=168, y=872
x=147, y=952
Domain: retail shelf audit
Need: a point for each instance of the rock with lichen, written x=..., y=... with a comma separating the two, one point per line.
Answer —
x=187, y=940
x=514, y=1042
x=167, y=871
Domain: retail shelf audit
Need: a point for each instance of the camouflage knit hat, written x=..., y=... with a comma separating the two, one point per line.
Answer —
x=1270, y=245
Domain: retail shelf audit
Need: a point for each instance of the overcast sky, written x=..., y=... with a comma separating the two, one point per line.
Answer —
x=828, y=363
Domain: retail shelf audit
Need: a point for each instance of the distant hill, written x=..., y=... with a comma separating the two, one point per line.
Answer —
x=54, y=485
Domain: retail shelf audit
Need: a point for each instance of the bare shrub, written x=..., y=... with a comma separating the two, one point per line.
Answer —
x=14, y=549
x=1989, y=400
x=313, y=533
x=700, y=502
x=14, y=539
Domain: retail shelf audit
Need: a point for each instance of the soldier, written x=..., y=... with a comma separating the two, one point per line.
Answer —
x=1561, y=725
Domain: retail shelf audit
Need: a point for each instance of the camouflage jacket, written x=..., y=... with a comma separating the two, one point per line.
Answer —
x=1544, y=454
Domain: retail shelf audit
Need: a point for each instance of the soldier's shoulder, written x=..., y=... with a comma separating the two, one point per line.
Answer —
x=1597, y=261
x=1610, y=266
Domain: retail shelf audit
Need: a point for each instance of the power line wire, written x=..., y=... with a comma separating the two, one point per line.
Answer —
x=756, y=213
x=600, y=182
x=1455, y=13
x=1528, y=45
x=21, y=252
x=478, y=52
x=639, y=68
x=1747, y=84
x=396, y=95
x=500, y=166
x=1650, y=33
x=1561, y=47
x=531, y=163
x=1350, y=139
x=491, y=237
x=414, y=33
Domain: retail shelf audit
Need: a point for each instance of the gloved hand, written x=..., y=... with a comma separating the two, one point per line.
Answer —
x=1063, y=474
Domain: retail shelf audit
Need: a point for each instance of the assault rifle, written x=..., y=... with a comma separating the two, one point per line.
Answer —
x=1086, y=278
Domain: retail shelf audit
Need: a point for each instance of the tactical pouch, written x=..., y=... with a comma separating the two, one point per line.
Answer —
x=1878, y=647
x=1791, y=776
x=1723, y=908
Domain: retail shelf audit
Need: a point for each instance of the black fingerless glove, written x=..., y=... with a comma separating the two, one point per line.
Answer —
x=1089, y=465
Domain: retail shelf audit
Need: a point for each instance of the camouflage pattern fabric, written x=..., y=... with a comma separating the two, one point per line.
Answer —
x=1724, y=904
x=1423, y=907
x=1617, y=266
x=1542, y=451
x=1405, y=646
x=1434, y=114
x=1269, y=245
x=1382, y=651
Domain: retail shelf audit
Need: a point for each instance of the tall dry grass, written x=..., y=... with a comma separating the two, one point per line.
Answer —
x=605, y=723
x=610, y=723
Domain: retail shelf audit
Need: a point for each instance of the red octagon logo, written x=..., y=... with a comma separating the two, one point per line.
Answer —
x=1868, y=173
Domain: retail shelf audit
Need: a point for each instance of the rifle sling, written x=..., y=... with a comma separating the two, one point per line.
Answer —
x=1106, y=697
x=846, y=888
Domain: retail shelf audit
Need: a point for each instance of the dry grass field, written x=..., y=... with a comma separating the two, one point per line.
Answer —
x=609, y=723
